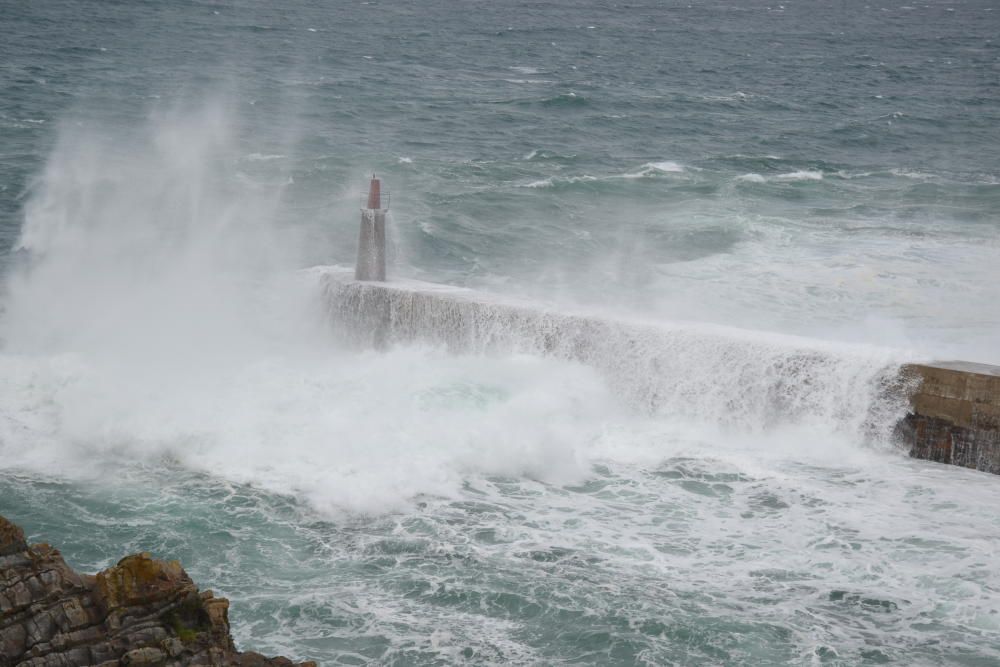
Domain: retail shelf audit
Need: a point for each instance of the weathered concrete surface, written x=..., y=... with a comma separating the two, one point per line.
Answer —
x=955, y=415
x=142, y=611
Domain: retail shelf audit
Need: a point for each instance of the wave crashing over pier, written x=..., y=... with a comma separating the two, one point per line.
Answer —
x=738, y=379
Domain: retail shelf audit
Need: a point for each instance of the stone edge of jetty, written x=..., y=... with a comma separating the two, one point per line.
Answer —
x=954, y=414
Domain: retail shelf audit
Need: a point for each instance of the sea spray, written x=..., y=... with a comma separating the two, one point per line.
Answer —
x=152, y=253
x=413, y=505
x=158, y=318
x=749, y=381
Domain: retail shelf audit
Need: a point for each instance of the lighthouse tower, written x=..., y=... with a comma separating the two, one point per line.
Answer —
x=371, y=239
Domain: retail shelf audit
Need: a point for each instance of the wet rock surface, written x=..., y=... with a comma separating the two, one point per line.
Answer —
x=143, y=611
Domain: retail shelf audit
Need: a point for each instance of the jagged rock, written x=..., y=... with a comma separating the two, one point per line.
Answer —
x=143, y=612
x=11, y=538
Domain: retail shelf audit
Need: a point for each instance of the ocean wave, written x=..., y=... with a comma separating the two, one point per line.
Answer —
x=803, y=175
x=528, y=81
x=790, y=177
x=666, y=166
x=542, y=154
x=565, y=99
x=912, y=174
x=738, y=96
x=648, y=170
x=848, y=175
x=553, y=181
x=662, y=368
x=264, y=157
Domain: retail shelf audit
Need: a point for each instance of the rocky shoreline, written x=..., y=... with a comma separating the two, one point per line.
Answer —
x=142, y=611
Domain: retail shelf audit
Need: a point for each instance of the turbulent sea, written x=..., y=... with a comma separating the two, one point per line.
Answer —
x=802, y=196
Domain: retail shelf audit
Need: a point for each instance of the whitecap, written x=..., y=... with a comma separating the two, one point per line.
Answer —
x=738, y=96
x=549, y=182
x=544, y=183
x=915, y=175
x=652, y=168
x=847, y=175
x=801, y=175
x=264, y=157
x=665, y=166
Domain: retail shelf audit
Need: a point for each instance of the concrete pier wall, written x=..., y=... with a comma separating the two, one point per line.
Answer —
x=744, y=381
x=955, y=414
x=947, y=412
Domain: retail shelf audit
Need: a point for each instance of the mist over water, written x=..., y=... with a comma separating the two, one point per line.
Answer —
x=769, y=215
x=158, y=313
x=147, y=245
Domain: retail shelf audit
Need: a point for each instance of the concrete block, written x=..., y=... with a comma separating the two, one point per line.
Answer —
x=955, y=415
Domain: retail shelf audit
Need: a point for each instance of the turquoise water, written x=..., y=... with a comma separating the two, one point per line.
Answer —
x=685, y=561
x=741, y=173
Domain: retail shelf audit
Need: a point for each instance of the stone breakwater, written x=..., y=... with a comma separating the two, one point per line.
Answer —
x=142, y=611
x=746, y=381
x=947, y=412
x=955, y=414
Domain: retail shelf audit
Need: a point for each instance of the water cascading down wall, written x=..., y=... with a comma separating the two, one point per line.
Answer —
x=948, y=412
x=941, y=411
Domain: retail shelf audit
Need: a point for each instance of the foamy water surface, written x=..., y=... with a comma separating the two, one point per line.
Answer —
x=770, y=207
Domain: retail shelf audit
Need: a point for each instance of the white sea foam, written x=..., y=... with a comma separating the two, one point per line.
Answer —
x=790, y=177
x=362, y=432
x=746, y=380
x=653, y=169
x=650, y=169
x=160, y=317
x=912, y=174
x=542, y=183
x=552, y=181
x=607, y=473
x=666, y=166
x=264, y=157
x=738, y=96
x=801, y=175
x=528, y=81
